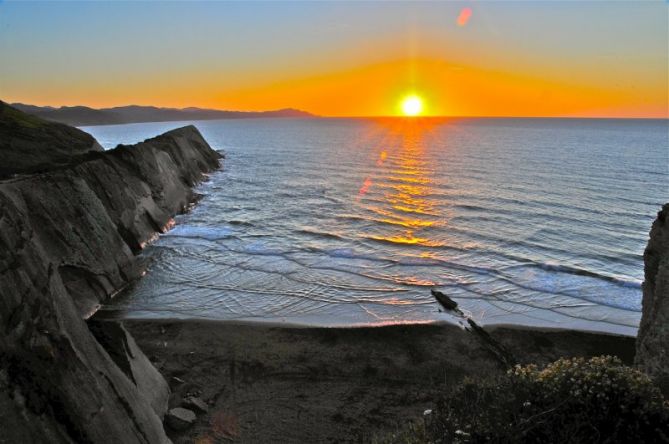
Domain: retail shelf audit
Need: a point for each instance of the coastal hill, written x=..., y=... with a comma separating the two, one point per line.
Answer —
x=83, y=115
x=28, y=143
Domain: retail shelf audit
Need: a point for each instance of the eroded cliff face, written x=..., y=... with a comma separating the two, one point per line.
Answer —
x=67, y=243
x=653, y=339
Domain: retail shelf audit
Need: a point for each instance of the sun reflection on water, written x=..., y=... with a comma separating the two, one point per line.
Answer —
x=401, y=187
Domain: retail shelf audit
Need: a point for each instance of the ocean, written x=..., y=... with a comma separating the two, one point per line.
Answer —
x=347, y=222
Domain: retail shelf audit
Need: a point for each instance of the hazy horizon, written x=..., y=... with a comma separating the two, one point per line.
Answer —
x=388, y=116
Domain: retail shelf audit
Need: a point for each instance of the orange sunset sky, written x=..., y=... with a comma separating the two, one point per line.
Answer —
x=590, y=59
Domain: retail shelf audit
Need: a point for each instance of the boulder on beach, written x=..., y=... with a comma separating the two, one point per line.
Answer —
x=180, y=418
x=196, y=404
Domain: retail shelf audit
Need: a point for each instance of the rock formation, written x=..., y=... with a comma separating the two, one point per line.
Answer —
x=123, y=350
x=653, y=339
x=67, y=243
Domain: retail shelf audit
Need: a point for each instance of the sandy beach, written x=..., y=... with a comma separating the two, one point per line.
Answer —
x=263, y=382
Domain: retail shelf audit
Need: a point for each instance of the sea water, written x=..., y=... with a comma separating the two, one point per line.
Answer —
x=342, y=222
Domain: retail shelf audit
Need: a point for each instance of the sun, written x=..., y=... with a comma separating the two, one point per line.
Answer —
x=412, y=105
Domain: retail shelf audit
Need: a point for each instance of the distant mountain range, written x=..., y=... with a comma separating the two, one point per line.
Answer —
x=83, y=115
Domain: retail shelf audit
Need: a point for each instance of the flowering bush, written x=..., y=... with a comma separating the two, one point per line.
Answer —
x=599, y=400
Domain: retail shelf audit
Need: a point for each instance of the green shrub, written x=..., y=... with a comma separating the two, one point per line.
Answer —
x=570, y=401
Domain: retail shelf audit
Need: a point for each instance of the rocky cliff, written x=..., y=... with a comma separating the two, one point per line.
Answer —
x=653, y=339
x=67, y=242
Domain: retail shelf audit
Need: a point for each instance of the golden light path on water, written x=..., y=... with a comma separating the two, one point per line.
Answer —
x=404, y=179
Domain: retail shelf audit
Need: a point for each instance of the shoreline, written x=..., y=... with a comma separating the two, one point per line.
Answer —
x=311, y=384
x=109, y=315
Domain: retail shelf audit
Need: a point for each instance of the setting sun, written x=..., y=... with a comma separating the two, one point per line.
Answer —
x=412, y=106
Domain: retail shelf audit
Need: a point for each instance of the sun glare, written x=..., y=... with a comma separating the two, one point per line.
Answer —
x=412, y=106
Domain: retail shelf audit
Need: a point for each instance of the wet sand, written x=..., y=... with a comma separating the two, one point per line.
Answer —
x=267, y=383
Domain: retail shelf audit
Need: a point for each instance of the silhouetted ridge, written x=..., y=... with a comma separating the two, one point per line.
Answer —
x=82, y=115
x=29, y=143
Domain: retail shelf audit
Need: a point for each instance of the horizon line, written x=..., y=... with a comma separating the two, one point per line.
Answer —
x=379, y=116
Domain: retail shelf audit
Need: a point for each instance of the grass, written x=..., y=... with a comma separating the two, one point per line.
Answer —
x=19, y=118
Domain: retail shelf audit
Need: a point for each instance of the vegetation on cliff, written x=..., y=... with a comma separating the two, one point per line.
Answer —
x=599, y=400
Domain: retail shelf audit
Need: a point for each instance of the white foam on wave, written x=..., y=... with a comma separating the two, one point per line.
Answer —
x=201, y=232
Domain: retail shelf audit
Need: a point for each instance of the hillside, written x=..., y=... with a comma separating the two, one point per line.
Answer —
x=82, y=115
x=30, y=144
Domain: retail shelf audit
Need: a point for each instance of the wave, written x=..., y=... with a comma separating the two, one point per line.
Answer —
x=241, y=223
x=403, y=240
x=262, y=249
x=567, y=269
x=201, y=232
x=319, y=234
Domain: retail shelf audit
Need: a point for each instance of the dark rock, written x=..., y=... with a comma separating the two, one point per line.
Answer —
x=496, y=348
x=29, y=143
x=196, y=404
x=123, y=350
x=652, y=345
x=446, y=302
x=90, y=218
x=67, y=238
x=180, y=418
x=60, y=378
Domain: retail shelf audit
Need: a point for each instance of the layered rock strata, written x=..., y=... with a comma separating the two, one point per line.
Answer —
x=68, y=239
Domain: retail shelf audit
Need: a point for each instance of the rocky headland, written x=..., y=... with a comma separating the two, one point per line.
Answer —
x=69, y=232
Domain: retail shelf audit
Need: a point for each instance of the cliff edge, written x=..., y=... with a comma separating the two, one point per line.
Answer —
x=653, y=340
x=68, y=238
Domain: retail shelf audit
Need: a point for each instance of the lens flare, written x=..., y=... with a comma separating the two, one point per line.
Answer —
x=365, y=187
x=464, y=16
x=412, y=105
